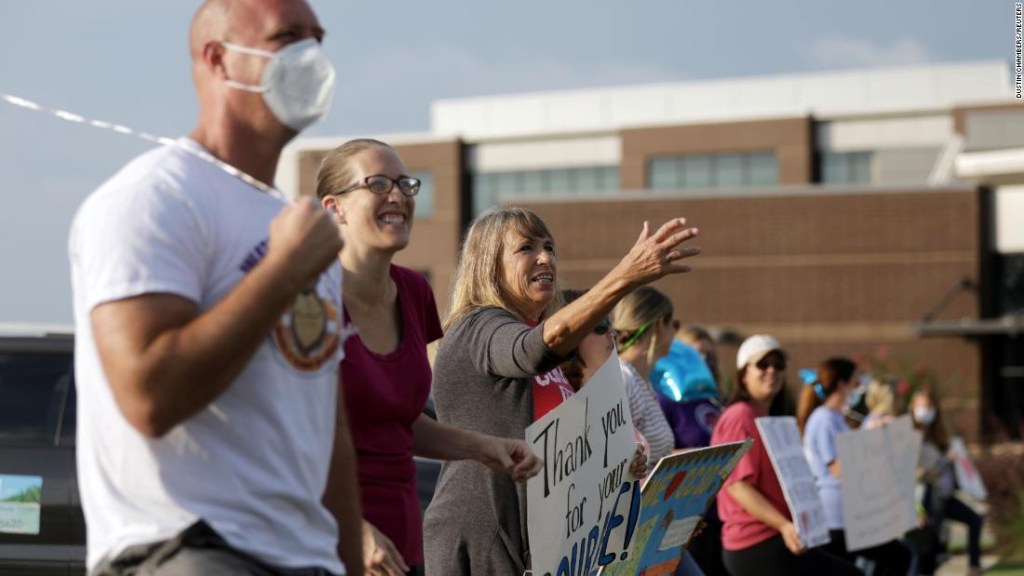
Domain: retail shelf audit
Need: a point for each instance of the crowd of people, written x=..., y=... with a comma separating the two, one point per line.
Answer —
x=252, y=372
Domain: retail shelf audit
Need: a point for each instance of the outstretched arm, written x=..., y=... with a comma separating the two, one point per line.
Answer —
x=435, y=440
x=653, y=256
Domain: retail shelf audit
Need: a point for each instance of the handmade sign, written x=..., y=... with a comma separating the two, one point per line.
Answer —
x=878, y=483
x=673, y=502
x=782, y=441
x=583, y=506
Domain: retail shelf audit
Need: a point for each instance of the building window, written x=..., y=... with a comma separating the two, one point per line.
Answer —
x=846, y=167
x=490, y=187
x=425, y=198
x=733, y=170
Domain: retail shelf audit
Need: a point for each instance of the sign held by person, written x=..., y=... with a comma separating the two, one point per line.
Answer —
x=782, y=441
x=878, y=482
x=674, y=500
x=583, y=506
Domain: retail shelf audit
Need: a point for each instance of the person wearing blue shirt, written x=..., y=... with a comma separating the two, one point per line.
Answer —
x=820, y=416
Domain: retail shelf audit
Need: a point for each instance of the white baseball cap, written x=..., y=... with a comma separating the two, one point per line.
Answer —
x=756, y=347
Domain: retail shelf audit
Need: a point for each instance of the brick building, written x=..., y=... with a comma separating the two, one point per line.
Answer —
x=870, y=213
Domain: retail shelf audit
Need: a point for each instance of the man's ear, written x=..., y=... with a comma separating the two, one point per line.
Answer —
x=213, y=58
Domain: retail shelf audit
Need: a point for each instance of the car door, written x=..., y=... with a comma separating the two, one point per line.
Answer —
x=36, y=472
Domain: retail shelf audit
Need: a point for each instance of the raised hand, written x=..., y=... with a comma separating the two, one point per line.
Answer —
x=659, y=254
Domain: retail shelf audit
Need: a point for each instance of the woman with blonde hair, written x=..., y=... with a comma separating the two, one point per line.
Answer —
x=496, y=371
x=644, y=329
x=880, y=398
x=365, y=186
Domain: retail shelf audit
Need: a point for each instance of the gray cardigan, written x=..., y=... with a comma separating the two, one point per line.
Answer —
x=476, y=523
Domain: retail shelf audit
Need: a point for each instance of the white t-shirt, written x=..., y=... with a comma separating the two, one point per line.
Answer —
x=253, y=464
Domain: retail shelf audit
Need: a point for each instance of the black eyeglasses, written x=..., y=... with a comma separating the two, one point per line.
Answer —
x=773, y=361
x=381, y=184
x=602, y=327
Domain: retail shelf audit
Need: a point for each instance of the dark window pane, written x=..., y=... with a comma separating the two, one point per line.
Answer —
x=32, y=389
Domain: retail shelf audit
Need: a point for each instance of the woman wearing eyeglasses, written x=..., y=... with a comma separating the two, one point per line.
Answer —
x=497, y=371
x=366, y=187
x=644, y=328
x=759, y=537
x=821, y=419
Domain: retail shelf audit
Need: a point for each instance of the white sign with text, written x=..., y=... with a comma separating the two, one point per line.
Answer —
x=782, y=441
x=878, y=468
x=582, y=508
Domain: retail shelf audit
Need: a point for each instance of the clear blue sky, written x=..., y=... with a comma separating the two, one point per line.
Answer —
x=127, y=61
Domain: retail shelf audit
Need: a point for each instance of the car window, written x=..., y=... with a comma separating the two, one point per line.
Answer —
x=33, y=389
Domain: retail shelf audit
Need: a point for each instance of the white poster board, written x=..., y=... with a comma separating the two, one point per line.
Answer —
x=967, y=476
x=782, y=441
x=583, y=506
x=877, y=484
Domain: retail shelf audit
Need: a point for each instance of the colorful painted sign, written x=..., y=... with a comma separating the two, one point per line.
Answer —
x=583, y=506
x=674, y=500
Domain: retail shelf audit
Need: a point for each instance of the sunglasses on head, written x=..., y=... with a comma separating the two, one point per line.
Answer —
x=772, y=360
x=602, y=327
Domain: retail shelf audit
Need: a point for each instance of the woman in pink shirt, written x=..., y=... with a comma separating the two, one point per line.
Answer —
x=758, y=534
x=364, y=185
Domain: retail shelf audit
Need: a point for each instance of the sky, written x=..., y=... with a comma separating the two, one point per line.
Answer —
x=127, y=61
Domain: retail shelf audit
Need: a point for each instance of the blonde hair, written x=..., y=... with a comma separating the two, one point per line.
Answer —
x=880, y=398
x=477, y=281
x=640, y=310
x=335, y=173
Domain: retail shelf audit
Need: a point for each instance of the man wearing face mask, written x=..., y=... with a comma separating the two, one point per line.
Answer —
x=207, y=314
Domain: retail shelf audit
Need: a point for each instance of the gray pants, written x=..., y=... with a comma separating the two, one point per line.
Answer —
x=196, y=550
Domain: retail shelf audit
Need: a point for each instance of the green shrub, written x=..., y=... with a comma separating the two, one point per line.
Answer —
x=1002, y=469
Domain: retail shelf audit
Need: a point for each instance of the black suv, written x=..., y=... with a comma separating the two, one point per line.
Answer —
x=42, y=530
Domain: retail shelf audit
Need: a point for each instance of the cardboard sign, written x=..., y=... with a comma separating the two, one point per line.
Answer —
x=878, y=482
x=967, y=476
x=583, y=506
x=782, y=441
x=673, y=502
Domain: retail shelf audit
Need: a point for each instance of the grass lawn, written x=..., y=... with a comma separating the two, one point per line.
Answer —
x=1007, y=569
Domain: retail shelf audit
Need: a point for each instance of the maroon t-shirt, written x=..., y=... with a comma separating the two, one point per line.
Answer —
x=739, y=528
x=384, y=394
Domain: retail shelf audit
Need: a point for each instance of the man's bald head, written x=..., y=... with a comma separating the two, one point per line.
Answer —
x=210, y=22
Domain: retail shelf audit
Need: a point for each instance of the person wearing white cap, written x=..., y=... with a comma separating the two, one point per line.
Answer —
x=758, y=534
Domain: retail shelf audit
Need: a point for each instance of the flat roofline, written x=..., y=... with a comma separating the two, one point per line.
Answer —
x=719, y=193
x=839, y=73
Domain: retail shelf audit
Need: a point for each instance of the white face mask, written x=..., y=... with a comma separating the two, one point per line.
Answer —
x=297, y=83
x=924, y=415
